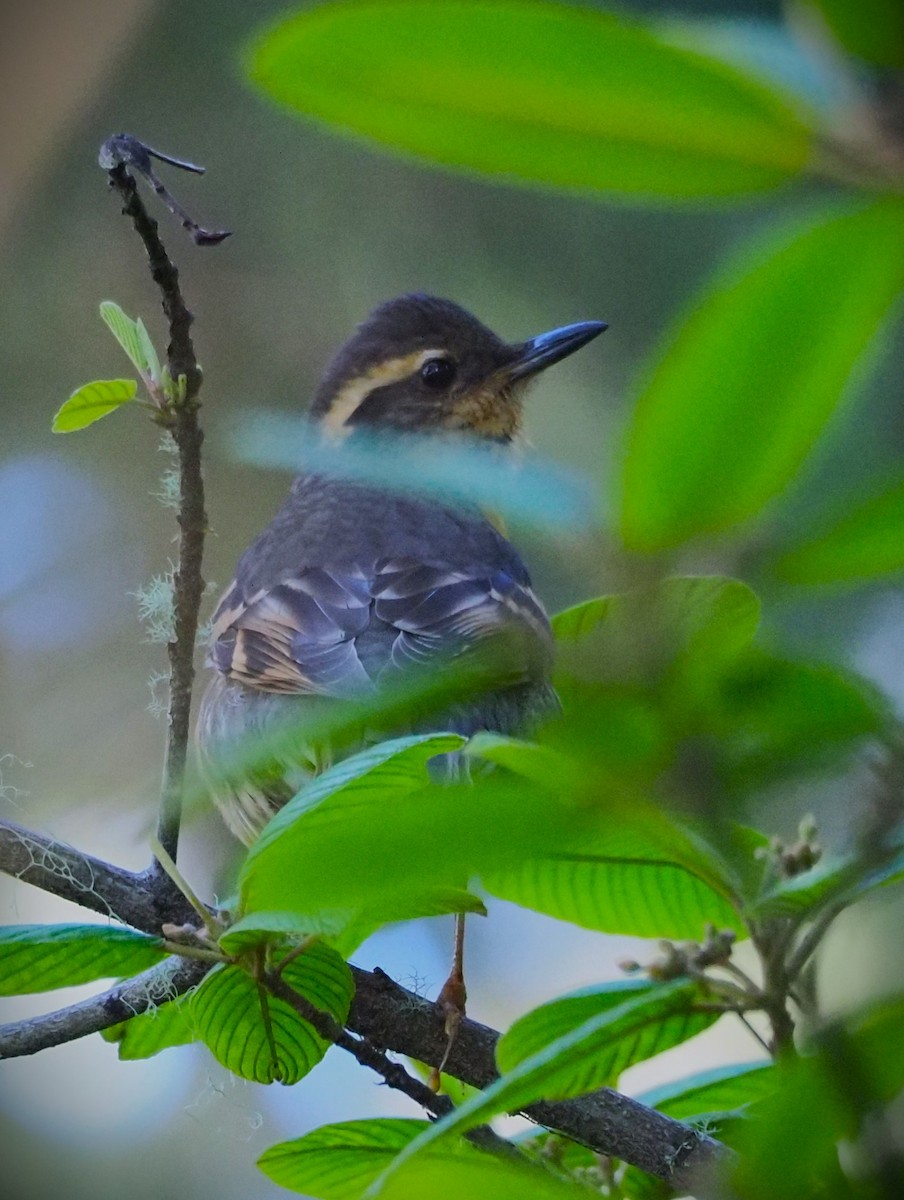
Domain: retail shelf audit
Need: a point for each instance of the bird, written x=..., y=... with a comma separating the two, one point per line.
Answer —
x=352, y=582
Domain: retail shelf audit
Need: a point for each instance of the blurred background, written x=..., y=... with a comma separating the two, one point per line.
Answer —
x=324, y=229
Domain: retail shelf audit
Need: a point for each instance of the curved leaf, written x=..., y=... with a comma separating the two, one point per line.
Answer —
x=228, y=1011
x=646, y=879
x=92, y=401
x=298, y=864
x=747, y=383
x=866, y=543
x=579, y=99
x=871, y=29
x=537, y=1029
x=37, y=958
x=338, y=1162
x=720, y=1090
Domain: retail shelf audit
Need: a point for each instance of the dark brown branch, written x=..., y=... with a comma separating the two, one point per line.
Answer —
x=171, y=978
x=141, y=899
x=387, y=1014
x=180, y=417
x=383, y=1013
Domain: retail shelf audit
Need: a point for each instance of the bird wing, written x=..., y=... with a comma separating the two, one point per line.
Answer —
x=339, y=631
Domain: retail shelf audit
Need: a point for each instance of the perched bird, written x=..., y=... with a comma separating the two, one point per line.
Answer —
x=352, y=583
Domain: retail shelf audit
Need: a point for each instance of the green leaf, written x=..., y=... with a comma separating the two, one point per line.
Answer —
x=574, y=1064
x=870, y=29
x=689, y=625
x=776, y=718
x=133, y=340
x=747, y=383
x=475, y=1176
x=228, y=1013
x=285, y=869
x=645, y=878
x=409, y=840
x=264, y=928
x=169, y=1024
x=830, y=879
x=865, y=544
x=579, y=99
x=148, y=352
x=92, y=401
x=338, y=1162
x=37, y=958
x=541, y=764
x=719, y=1090
x=542, y=1026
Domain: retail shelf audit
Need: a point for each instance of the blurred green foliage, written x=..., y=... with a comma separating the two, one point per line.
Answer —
x=630, y=812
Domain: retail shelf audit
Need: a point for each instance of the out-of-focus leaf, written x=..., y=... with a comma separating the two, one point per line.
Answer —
x=409, y=839
x=537, y=1029
x=747, y=383
x=870, y=29
x=534, y=492
x=779, y=717
x=570, y=1066
x=681, y=625
x=579, y=98
x=720, y=1090
x=851, y=1070
x=867, y=543
x=228, y=1011
x=38, y=958
x=169, y=1024
x=830, y=879
x=92, y=401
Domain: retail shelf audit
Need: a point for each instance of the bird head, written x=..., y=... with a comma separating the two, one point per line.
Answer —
x=426, y=365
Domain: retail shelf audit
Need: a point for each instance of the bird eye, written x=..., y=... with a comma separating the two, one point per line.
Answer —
x=438, y=373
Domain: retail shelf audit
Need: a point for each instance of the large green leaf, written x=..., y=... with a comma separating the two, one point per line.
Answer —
x=574, y=1064
x=536, y=92
x=371, y=837
x=37, y=958
x=866, y=543
x=92, y=401
x=719, y=1090
x=338, y=1162
x=537, y=1029
x=871, y=29
x=777, y=717
x=262, y=1038
x=644, y=878
x=748, y=381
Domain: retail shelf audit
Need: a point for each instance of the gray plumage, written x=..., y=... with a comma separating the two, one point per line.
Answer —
x=351, y=585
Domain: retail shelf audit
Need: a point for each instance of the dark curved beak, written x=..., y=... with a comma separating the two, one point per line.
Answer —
x=548, y=348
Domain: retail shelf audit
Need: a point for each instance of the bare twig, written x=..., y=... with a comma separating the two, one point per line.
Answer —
x=140, y=899
x=118, y=155
x=148, y=990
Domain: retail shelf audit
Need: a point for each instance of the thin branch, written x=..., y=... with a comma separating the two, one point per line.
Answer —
x=139, y=899
x=810, y=941
x=117, y=155
x=148, y=990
